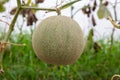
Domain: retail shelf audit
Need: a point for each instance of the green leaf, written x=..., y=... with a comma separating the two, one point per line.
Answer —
x=103, y=12
x=2, y=8
x=68, y=4
x=28, y=2
x=3, y=1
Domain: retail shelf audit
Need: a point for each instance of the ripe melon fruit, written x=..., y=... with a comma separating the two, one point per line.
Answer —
x=58, y=40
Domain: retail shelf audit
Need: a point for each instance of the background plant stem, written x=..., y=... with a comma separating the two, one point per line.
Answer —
x=113, y=30
x=11, y=28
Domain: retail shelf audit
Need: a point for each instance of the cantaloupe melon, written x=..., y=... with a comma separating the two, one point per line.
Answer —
x=58, y=40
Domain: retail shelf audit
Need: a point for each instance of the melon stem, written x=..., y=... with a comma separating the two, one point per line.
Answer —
x=58, y=10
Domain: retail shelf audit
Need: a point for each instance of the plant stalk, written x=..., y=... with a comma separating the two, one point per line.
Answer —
x=36, y=8
x=11, y=28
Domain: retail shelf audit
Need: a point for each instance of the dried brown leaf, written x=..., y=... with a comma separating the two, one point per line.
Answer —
x=31, y=18
x=87, y=10
x=97, y=46
x=1, y=71
x=2, y=46
x=93, y=21
x=94, y=6
x=39, y=1
x=106, y=3
x=12, y=12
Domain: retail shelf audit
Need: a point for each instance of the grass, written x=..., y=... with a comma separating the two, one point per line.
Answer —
x=21, y=63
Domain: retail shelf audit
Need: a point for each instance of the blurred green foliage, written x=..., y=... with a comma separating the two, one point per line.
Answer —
x=2, y=8
x=2, y=2
x=22, y=64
